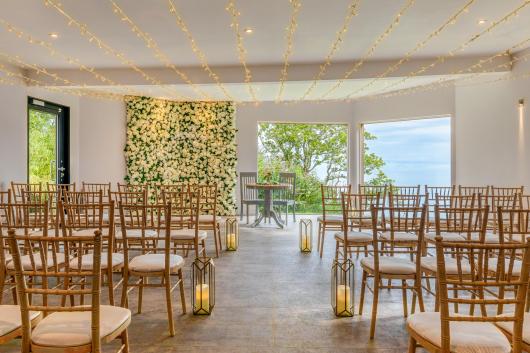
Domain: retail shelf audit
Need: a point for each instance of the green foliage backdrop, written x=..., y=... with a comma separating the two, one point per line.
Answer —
x=175, y=142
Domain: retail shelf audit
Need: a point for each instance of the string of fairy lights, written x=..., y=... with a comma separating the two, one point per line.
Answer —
x=67, y=85
x=291, y=29
x=152, y=45
x=370, y=52
x=196, y=50
x=242, y=52
x=392, y=68
x=461, y=47
x=85, y=32
x=335, y=46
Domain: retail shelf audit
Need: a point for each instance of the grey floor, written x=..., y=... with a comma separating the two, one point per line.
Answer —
x=270, y=298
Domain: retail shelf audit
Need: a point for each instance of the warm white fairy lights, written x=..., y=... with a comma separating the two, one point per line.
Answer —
x=335, y=46
x=152, y=45
x=92, y=38
x=290, y=30
x=462, y=46
x=450, y=21
x=242, y=52
x=371, y=50
x=196, y=50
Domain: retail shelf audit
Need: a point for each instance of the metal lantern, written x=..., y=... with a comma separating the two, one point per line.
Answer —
x=342, y=287
x=232, y=234
x=203, y=286
x=306, y=235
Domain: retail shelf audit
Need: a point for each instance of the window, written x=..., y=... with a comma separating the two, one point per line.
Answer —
x=408, y=152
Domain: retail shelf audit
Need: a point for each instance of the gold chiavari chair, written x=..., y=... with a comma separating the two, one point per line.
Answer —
x=208, y=219
x=184, y=222
x=60, y=188
x=524, y=201
x=448, y=331
x=331, y=219
x=404, y=200
x=84, y=218
x=506, y=191
x=161, y=188
x=405, y=190
x=357, y=223
x=152, y=262
x=374, y=189
x=6, y=282
x=391, y=264
x=18, y=188
x=105, y=188
x=470, y=190
x=505, y=201
x=460, y=225
x=66, y=329
x=51, y=198
x=431, y=193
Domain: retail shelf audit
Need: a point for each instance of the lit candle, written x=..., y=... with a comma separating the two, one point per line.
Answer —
x=231, y=241
x=343, y=300
x=306, y=242
x=202, y=297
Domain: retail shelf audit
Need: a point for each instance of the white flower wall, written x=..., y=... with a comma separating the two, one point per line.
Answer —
x=175, y=142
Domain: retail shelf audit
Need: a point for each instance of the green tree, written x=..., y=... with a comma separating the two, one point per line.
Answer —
x=373, y=164
x=42, y=138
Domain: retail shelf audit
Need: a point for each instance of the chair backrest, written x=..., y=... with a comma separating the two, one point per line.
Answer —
x=332, y=199
x=356, y=211
x=442, y=191
x=471, y=222
x=244, y=179
x=479, y=280
x=514, y=224
x=51, y=197
x=28, y=217
x=184, y=210
x=398, y=219
x=17, y=188
x=505, y=201
x=105, y=188
x=290, y=192
x=134, y=188
x=52, y=269
x=457, y=201
x=83, y=197
x=404, y=200
x=374, y=189
x=130, y=197
x=524, y=201
x=207, y=194
x=60, y=187
x=405, y=190
x=159, y=189
x=506, y=191
x=470, y=190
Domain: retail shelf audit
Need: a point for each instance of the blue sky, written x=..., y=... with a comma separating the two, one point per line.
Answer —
x=415, y=151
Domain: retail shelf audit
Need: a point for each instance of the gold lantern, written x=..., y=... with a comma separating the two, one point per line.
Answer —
x=232, y=234
x=342, y=287
x=306, y=235
x=203, y=286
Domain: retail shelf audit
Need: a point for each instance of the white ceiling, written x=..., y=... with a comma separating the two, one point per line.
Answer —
x=209, y=23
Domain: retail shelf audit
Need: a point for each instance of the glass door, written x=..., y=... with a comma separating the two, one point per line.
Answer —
x=48, y=160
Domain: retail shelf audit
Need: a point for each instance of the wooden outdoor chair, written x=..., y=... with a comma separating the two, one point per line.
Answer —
x=331, y=219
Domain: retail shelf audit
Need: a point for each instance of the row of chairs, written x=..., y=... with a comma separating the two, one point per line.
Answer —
x=396, y=244
x=412, y=196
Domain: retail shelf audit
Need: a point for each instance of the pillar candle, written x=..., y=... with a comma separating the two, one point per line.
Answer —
x=343, y=300
x=202, y=298
x=231, y=241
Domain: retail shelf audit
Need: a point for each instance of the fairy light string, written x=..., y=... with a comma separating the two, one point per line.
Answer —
x=335, y=46
x=179, y=20
x=290, y=31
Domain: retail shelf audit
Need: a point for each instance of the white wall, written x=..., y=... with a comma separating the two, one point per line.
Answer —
x=102, y=139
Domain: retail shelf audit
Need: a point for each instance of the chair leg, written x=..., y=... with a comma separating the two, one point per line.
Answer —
x=181, y=287
x=363, y=288
x=318, y=237
x=124, y=290
x=412, y=345
x=111, y=285
x=286, y=215
x=125, y=341
x=374, y=307
x=419, y=293
x=293, y=207
x=169, y=305
x=216, y=239
x=241, y=212
x=140, y=294
x=322, y=242
x=404, y=293
x=247, y=213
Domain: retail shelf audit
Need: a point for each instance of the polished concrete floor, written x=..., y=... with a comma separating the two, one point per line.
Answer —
x=270, y=298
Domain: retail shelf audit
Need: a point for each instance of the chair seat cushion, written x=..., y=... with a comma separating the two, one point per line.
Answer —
x=490, y=238
x=70, y=329
x=508, y=326
x=391, y=265
x=330, y=219
x=10, y=318
x=88, y=232
x=516, y=270
x=207, y=218
x=137, y=233
x=355, y=237
x=26, y=261
x=400, y=236
x=451, y=265
x=87, y=261
x=155, y=263
x=431, y=236
x=187, y=234
x=465, y=337
x=7, y=257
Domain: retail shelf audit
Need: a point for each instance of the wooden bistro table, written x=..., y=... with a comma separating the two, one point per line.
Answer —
x=268, y=210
